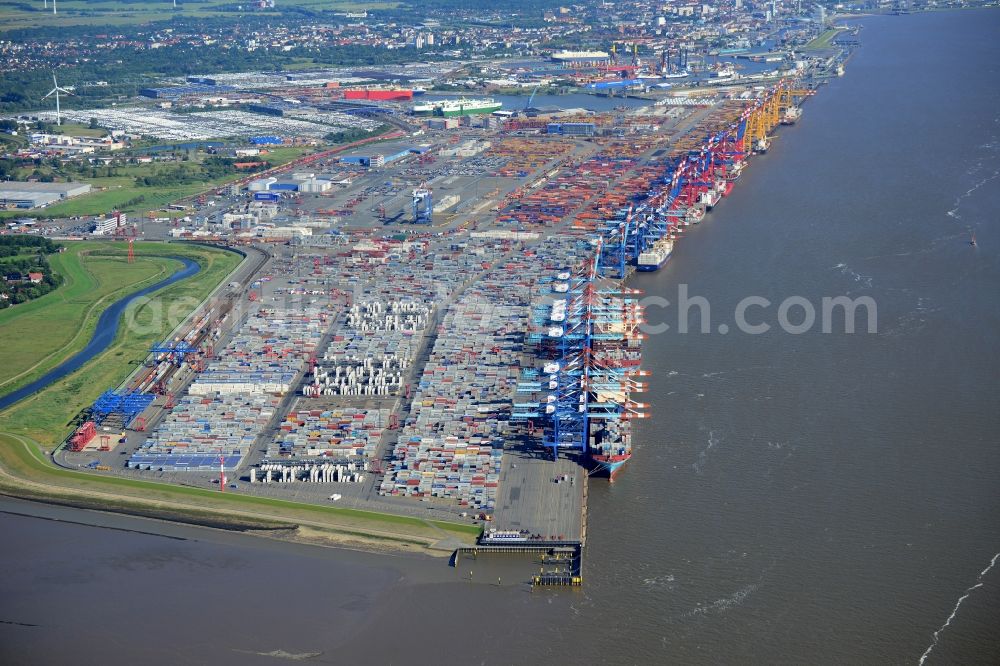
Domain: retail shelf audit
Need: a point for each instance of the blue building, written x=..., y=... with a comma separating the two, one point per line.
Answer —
x=571, y=129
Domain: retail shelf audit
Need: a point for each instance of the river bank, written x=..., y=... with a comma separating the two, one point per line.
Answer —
x=27, y=472
x=63, y=321
x=104, y=334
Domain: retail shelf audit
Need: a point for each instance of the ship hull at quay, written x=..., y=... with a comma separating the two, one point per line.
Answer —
x=609, y=465
x=458, y=107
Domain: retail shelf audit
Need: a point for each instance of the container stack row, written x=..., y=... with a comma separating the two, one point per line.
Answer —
x=451, y=445
x=201, y=428
x=342, y=433
x=266, y=354
x=383, y=270
x=228, y=405
x=371, y=353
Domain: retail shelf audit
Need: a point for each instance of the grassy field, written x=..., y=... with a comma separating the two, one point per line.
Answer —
x=75, y=129
x=114, y=192
x=16, y=14
x=823, y=40
x=40, y=334
x=45, y=416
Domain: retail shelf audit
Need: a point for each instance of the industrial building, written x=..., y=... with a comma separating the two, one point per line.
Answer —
x=443, y=123
x=105, y=226
x=174, y=92
x=469, y=148
x=616, y=84
x=16, y=194
x=571, y=129
x=373, y=161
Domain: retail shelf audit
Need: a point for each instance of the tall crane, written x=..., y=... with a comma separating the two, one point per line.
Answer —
x=423, y=205
x=583, y=393
x=527, y=105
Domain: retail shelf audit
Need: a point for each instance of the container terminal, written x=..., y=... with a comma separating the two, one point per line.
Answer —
x=438, y=325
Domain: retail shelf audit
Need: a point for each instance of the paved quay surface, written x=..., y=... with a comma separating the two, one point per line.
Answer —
x=531, y=498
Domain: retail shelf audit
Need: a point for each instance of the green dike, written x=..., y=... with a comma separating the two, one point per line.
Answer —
x=822, y=40
x=25, y=460
x=40, y=422
x=42, y=333
x=45, y=417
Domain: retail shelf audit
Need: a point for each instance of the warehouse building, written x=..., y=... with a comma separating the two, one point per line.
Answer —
x=374, y=161
x=174, y=92
x=571, y=129
x=15, y=194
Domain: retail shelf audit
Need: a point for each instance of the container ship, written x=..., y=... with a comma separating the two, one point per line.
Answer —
x=379, y=94
x=611, y=447
x=791, y=115
x=694, y=215
x=577, y=395
x=653, y=258
x=457, y=107
x=587, y=367
x=617, y=355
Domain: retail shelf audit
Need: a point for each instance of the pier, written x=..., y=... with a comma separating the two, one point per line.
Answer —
x=541, y=498
x=541, y=512
x=561, y=564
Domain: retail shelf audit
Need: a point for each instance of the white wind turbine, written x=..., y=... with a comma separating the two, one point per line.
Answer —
x=55, y=91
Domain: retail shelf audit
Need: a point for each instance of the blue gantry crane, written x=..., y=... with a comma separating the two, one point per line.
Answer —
x=582, y=335
x=175, y=352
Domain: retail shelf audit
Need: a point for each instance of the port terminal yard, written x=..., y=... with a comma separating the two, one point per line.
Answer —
x=362, y=359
